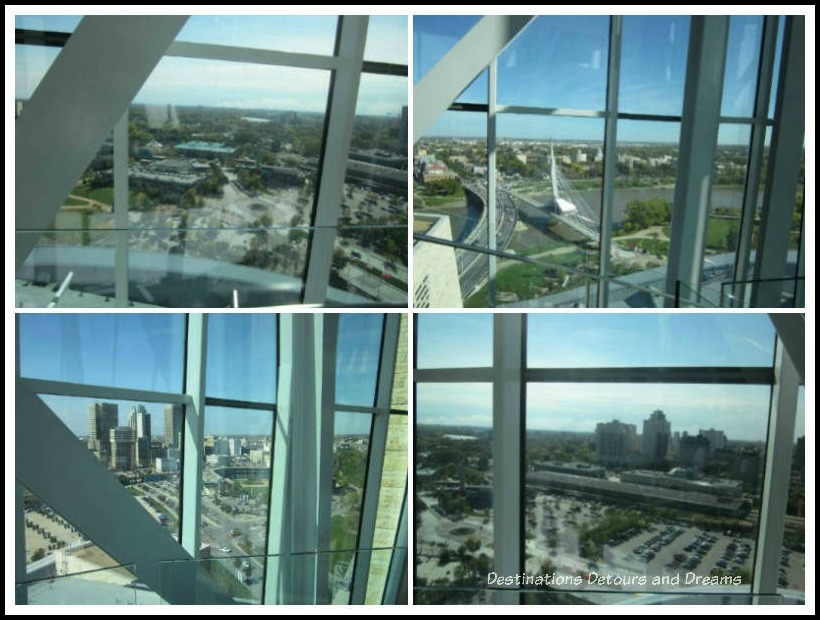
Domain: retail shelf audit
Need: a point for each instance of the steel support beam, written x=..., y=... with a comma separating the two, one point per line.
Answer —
x=699, y=131
x=85, y=92
x=458, y=68
x=785, y=155
x=341, y=113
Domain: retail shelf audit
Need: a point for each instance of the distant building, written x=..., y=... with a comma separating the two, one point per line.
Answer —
x=122, y=440
x=210, y=150
x=173, y=425
x=102, y=417
x=694, y=451
x=717, y=439
x=614, y=443
x=577, y=469
x=655, y=439
x=167, y=465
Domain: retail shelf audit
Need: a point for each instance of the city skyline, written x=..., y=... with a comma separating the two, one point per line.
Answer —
x=145, y=351
x=560, y=340
x=197, y=82
x=560, y=62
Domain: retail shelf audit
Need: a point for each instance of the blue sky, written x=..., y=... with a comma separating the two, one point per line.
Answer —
x=184, y=81
x=561, y=62
x=146, y=351
x=606, y=340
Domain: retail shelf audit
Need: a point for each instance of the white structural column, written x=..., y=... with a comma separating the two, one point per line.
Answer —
x=378, y=443
x=492, y=207
x=509, y=332
x=331, y=176
x=302, y=445
x=785, y=154
x=193, y=453
x=777, y=472
x=437, y=90
x=699, y=130
x=92, y=81
x=610, y=155
x=756, y=150
x=397, y=574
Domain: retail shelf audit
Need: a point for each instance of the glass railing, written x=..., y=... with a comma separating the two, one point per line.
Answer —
x=177, y=266
x=115, y=585
x=432, y=595
x=738, y=293
x=309, y=578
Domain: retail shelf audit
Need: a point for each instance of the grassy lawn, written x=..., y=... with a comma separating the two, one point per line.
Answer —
x=104, y=195
x=656, y=247
x=436, y=201
x=717, y=232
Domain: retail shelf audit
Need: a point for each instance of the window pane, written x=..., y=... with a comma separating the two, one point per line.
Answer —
x=351, y=444
x=454, y=340
x=557, y=62
x=222, y=180
x=235, y=494
x=142, y=351
x=452, y=157
x=647, y=340
x=370, y=255
x=557, y=221
x=358, y=353
x=242, y=350
x=742, y=62
x=453, y=490
x=31, y=62
x=387, y=39
x=434, y=36
x=314, y=34
x=653, y=63
x=47, y=23
x=636, y=481
x=138, y=442
x=645, y=178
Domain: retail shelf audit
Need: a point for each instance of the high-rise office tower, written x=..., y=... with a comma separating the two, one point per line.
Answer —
x=122, y=439
x=655, y=440
x=102, y=417
x=173, y=425
x=140, y=421
x=614, y=442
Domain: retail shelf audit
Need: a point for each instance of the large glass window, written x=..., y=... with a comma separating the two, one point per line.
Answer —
x=143, y=351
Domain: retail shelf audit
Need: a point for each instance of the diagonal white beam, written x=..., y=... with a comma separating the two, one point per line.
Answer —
x=85, y=92
x=51, y=463
x=453, y=73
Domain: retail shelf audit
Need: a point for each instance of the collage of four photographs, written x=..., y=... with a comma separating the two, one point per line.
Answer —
x=410, y=309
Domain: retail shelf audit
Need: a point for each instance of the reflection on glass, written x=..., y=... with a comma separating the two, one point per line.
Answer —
x=235, y=495
x=454, y=340
x=351, y=443
x=453, y=490
x=557, y=62
x=139, y=443
x=636, y=481
x=315, y=34
x=742, y=61
x=47, y=23
x=242, y=357
x=143, y=351
x=434, y=36
x=357, y=358
x=653, y=63
x=647, y=340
